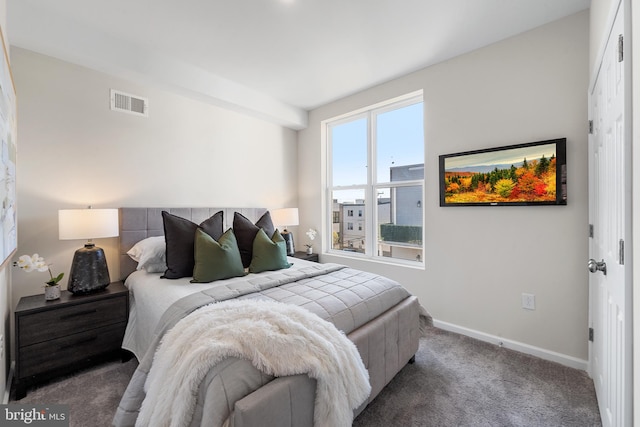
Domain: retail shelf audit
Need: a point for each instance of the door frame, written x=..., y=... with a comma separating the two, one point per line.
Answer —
x=635, y=124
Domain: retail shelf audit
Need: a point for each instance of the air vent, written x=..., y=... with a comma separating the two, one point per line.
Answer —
x=128, y=103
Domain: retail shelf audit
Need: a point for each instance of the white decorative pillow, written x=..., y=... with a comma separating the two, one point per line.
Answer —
x=150, y=254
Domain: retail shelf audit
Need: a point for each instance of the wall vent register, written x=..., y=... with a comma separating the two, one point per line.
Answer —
x=127, y=103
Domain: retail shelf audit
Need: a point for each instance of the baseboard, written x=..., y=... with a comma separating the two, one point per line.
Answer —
x=7, y=391
x=563, y=359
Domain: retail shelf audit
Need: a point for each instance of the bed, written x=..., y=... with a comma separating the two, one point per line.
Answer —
x=377, y=315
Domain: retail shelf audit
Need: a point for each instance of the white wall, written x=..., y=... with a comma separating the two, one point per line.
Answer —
x=3, y=18
x=5, y=276
x=635, y=83
x=73, y=151
x=479, y=260
x=635, y=43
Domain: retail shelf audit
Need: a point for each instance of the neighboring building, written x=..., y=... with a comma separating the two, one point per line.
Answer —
x=400, y=219
x=401, y=236
x=408, y=199
x=353, y=224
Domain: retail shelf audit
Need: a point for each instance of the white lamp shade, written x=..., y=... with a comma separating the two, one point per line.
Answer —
x=87, y=223
x=285, y=217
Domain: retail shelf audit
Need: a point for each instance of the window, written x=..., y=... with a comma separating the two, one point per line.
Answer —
x=375, y=159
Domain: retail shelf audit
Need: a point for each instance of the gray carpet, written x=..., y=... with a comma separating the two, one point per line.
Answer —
x=92, y=395
x=456, y=381
x=460, y=381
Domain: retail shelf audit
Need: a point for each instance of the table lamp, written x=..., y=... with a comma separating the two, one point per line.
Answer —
x=286, y=217
x=89, y=272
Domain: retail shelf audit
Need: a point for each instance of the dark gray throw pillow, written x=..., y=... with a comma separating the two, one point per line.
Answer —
x=179, y=234
x=246, y=231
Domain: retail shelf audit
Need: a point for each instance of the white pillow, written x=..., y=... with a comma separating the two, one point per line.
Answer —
x=150, y=254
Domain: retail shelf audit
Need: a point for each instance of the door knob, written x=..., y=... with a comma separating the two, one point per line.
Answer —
x=594, y=266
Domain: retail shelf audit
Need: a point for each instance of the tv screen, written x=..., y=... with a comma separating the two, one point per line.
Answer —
x=533, y=173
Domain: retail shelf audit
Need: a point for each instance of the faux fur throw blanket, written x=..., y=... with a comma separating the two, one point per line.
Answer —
x=279, y=339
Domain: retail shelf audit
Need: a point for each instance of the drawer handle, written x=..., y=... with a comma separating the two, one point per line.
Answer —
x=80, y=313
x=86, y=340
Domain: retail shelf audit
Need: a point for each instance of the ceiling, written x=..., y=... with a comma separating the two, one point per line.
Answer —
x=274, y=59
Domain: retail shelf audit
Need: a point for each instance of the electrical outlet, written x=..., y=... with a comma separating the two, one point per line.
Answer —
x=529, y=301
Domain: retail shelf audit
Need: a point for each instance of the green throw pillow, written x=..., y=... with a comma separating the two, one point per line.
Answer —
x=216, y=260
x=268, y=253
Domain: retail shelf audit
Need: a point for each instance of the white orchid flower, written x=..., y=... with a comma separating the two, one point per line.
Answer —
x=37, y=263
x=25, y=263
x=41, y=265
x=311, y=234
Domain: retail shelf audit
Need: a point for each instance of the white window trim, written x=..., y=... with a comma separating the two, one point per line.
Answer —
x=370, y=211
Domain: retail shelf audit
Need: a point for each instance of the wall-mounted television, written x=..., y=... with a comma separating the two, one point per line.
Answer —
x=534, y=173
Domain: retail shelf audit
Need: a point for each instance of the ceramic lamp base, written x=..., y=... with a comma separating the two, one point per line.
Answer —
x=288, y=238
x=89, y=272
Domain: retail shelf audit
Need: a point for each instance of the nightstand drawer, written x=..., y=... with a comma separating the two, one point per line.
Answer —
x=52, y=324
x=49, y=355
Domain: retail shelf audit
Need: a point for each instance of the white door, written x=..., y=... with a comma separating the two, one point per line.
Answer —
x=609, y=214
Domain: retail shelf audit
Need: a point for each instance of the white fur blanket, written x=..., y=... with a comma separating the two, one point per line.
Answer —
x=279, y=339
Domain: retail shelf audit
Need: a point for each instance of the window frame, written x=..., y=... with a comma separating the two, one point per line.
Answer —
x=371, y=188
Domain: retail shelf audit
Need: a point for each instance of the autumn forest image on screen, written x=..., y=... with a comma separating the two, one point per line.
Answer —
x=524, y=174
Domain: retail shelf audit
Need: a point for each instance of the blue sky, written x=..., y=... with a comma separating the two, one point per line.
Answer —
x=400, y=141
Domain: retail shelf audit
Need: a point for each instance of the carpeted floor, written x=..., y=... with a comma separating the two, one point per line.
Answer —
x=456, y=381
x=92, y=395
x=460, y=381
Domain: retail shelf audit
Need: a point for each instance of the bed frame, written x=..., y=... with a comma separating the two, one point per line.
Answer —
x=385, y=343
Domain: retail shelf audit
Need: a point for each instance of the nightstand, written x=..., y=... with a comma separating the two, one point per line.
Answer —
x=307, y=257
x=57, y=337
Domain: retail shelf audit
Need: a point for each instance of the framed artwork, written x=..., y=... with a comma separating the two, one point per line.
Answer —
x=8, y=154
x=533, y=173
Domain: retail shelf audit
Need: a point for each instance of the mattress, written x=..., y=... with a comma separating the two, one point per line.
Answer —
x=151, y=296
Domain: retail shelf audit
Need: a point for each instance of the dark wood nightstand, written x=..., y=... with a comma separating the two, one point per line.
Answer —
x=70, y=333
x=307, y=257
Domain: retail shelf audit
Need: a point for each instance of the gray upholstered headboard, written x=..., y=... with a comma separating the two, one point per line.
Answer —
x=139, y=223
